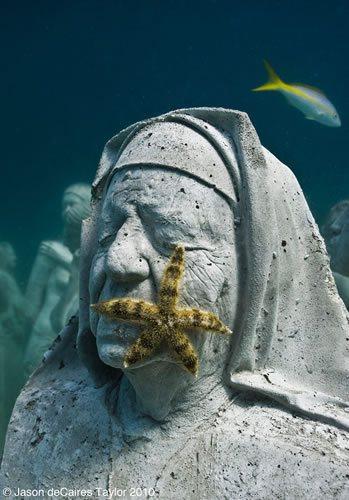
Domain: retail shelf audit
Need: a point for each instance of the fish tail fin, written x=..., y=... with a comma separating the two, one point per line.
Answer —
x=274, y=81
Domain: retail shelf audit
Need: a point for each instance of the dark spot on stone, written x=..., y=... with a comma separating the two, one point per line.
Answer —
x=283, y=243
x=162, y=147
x=125, y=234
x=182, y=190
x=38, y=439
x=197, y=206
x=30, y=404
x=61, y=364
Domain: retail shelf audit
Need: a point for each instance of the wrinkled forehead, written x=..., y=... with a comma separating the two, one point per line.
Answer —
x=166, y=198
x=157, y=187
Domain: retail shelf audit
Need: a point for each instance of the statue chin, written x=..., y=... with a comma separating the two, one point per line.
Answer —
x=113, y=342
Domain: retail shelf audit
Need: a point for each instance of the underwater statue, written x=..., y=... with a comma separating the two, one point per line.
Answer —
x=208, y=359
x=50, y=276
x=68, y=305
x=12, y=325
x=336, y=235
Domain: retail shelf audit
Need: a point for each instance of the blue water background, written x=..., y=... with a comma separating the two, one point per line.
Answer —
x=75, y=72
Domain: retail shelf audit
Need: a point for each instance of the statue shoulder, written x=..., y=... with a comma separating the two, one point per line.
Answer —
x=60, y=429
x=59, y=432
x=257, y=449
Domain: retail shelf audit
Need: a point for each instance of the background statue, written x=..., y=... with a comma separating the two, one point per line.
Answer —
x=52, y=269
x=68, y=304
x=12, y=323
x=336, y=235
x=266, y=415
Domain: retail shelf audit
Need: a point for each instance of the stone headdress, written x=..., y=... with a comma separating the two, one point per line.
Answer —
x=291, y=336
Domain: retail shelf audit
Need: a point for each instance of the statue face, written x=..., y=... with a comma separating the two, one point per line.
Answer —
x=145, y=213
x=71, y=208
x=338, y=242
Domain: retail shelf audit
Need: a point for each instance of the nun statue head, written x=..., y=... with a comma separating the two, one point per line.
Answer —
x=253, y=257
x=162, y=198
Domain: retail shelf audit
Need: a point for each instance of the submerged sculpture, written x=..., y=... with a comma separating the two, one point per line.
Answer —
x=266, y=416
x=12, y=324
x=50, y=276
x=336, y=235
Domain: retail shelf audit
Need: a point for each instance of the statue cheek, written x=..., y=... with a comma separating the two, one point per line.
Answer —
x=203, y=288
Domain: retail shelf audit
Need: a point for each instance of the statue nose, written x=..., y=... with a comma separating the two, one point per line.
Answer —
x=125, y=262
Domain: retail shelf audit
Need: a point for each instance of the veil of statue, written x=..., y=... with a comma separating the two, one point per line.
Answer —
x=267, y=414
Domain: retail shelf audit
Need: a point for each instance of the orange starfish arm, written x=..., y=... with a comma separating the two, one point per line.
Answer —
x=127, y=309
x=203, y=320
x=185, y=351
x=169, y=288
x=146, y=343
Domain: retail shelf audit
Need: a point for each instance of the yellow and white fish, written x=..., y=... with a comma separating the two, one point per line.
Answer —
x=310, y=100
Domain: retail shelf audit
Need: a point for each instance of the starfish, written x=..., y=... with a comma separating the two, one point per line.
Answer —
x=163, y=320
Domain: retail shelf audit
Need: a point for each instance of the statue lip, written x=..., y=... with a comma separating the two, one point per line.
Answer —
x=124, y=332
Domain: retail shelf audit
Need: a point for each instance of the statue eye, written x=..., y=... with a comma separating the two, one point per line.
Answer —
x=106, y=240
